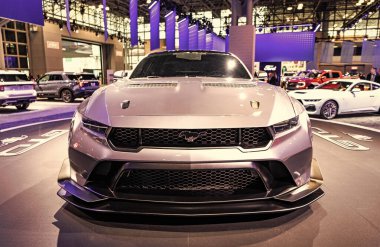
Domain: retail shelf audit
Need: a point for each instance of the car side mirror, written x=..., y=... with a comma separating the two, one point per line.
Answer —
x=355, y=90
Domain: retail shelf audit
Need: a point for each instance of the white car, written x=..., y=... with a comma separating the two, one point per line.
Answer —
x=121, y=74
x=342, y=96
x=15, y=89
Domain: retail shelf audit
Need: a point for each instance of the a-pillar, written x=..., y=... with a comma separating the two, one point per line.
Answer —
x=242, y=38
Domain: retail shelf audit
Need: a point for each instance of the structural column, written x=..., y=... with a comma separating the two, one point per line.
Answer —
x=242, y=38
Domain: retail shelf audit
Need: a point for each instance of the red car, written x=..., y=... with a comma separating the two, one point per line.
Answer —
x=311, y=79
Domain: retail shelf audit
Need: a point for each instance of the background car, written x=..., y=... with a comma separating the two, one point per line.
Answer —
x=190, y=134
x=286, y=76
x=312, y=79
x=16, y=90
x=66, y=85
x=343, y=96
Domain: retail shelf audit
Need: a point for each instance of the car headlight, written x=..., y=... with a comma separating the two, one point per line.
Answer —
x=286, y=125
x=94, y=126
x=301, y=84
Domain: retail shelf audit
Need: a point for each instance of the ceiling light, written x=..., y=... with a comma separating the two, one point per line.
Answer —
x=300, y=6
x=290, y=8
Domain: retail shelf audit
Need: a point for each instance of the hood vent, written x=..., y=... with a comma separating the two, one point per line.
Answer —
x=151, y=85
x=230, y=85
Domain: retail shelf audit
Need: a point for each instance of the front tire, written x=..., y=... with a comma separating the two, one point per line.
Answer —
x=329, y=110
x=22, y=106
x=67, y=96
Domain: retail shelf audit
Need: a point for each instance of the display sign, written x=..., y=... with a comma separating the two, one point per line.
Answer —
x=183, y=30
x=202, y=39
x=275, y=47
x=133, y=15
x=105, y=20
x=52, y=45
x=170, y=30
x=218, y=43
x=154, y=14
x=193, y=37
x=27, y=11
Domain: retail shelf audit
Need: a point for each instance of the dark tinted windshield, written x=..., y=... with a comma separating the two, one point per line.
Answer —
x=86, y=77
x=11, y=78
x=190, y=64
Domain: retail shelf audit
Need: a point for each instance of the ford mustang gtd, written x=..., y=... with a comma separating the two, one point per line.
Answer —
x=190, y=134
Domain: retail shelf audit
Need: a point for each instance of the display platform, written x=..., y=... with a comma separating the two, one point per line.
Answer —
x=32, y=214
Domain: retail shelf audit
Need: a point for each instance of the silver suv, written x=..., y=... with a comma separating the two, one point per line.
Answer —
x=66, y=85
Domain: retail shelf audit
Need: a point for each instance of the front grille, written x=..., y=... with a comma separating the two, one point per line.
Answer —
x=132, y=138
x=189, y=182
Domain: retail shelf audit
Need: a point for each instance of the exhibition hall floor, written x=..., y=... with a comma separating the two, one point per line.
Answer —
x=33, y=215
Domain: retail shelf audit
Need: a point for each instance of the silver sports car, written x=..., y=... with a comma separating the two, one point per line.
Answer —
x=190, y=134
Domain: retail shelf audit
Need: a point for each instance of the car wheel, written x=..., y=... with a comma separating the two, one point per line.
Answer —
x=22, y=106
x=67, y=96
x=329, y=109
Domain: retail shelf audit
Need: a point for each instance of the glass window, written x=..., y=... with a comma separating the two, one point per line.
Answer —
x=21, y=37
x=24, y=62
x=10, y=35
x=335, y=75
x=11, y=25
x=363, y=86
x=375, y=87
x=337, y=51
x=55, y=78
x=20, y=26
x=12, y=78
x=22, y=50
x=10, y=49
x=11, y=62
x=43, y=79
x=357, y=50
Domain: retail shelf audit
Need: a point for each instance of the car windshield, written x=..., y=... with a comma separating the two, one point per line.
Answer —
x=289, y=74
x=13, y=77
x=335, y=85
x=86, y=77
x=308, y=74
x=190, y=64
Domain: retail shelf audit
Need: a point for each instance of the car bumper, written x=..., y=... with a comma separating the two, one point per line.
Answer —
x=17, y=101
x=296, y=198
x=84, y=92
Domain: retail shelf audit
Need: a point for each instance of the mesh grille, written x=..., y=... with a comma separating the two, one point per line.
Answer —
x=125, y=138
x=189, y=182
x=230, y=85
x=151, y=85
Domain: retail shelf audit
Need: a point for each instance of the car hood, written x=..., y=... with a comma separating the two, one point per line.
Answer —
x=189, y=103
x=314, y=94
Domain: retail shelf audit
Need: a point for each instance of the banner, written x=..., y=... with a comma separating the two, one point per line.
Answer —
x=133, y=15
x=209, y=41
x=183, y=30
x=227, y=46
x=154, y=14
x=68, y=25
x=202, y=39
x=218, y=43
x=170, y=30
x=299, y=47
x=193, y=37
x=29, y=11
x=105, y=20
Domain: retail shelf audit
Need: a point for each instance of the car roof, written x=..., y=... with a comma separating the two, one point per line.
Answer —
x=11, y=72
x=58, y=72
x=189, y=51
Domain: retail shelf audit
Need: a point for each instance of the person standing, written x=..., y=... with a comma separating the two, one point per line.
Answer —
x=272, y=79
x=373, y=75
